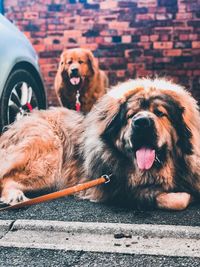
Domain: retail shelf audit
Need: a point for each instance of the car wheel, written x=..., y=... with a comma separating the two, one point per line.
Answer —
x=20, y=96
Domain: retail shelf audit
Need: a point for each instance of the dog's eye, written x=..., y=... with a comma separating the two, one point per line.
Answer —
x=69, y=62
x=159, y=113
x=61, y=63
x=80, y=62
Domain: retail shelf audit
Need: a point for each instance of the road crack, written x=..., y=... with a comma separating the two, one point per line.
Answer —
x=9, y=229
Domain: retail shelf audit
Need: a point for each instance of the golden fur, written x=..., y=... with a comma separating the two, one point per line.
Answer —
x=145, y=132
x=79, y=63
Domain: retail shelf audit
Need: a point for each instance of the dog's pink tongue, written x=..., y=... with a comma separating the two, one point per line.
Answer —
x=75, y=80
x=145, y=158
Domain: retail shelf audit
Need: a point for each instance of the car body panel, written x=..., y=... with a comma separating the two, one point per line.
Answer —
x=9, y=58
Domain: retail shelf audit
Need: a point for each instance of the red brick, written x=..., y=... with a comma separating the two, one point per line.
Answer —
x=145, y=45
x=28, y=35
x=164, y=16
x=51, y=27
x=139, y=66
x=143, y=3
x=144, y=38
x=161, y=60
x=162, y=30
x=196, y=44
x=145, y=17
x=92, y=47
x=82, y=40
x=187, y=52
x=108, y=39
x=182, y=7
x=126, y=39
x=172, y=34
x=119, y=25
x=162, y=45
x=106, y=19
x=31, y=15
x=183, y=37
x=183, y=16
x=38, y=34
x=72, y=33
x=121, y=73
x=108, y=5
x=172, y=52
x=155, y=10
x=154, y=37
x=144, y=73
x=165, y=37
x=194, y=37
x=196, y=72
x=40, y=47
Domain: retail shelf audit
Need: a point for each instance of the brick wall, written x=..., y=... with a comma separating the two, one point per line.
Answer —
x=130, y=38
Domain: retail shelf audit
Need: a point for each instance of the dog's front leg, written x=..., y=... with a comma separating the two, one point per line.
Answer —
x=145, y=197
x=154, y=196
x=11, y=192
x=174, y=201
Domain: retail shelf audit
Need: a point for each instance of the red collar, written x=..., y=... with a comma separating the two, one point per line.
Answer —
x=78, y=103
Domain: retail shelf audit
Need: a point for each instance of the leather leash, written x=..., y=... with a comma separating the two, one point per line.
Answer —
x=65, y=192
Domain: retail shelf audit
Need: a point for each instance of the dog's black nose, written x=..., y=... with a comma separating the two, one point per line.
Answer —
x=74, y=71
x=143, y=122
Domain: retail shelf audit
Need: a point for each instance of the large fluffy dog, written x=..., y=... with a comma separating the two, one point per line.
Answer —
x=79, y=79
x=145, y=132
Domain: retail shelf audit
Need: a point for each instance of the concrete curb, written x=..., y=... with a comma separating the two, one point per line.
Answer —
x=166, y=240
x=109, y=228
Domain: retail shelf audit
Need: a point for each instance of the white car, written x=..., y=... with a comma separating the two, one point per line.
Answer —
x=21, y=85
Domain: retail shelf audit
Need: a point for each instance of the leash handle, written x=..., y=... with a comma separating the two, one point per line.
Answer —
x=65, y=192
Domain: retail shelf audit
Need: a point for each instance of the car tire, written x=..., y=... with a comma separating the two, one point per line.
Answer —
x=20, y=95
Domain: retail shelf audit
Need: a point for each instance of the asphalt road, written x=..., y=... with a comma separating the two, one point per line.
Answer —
x=72, y=209
x=10, y=257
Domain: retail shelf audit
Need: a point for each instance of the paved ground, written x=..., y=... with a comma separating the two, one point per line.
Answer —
x=52, y=258
x=70, y=209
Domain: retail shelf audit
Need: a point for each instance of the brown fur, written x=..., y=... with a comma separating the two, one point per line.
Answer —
x=58, y=148
x=94, y=81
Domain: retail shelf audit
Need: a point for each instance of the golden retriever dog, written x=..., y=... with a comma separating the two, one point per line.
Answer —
x=79, y=82
x=146, y=133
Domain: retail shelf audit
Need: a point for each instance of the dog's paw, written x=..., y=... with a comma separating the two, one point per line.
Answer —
x=12, y=197
x=174, y=201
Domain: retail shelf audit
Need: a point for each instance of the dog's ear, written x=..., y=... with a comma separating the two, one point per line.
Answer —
x=60, y=72
x=184, y=134
x=107, y=115
x=183, y=131
x=62, y=59
x=92, y=62
x=114, y=126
